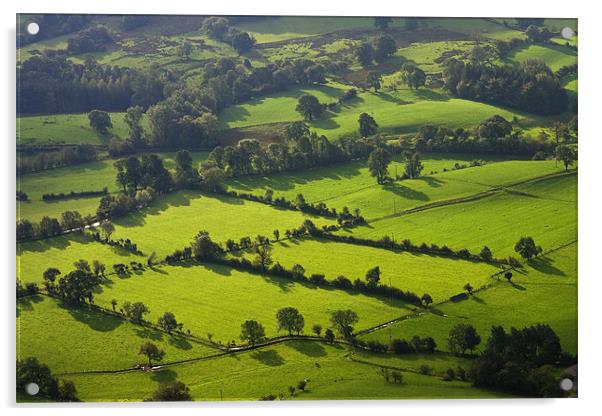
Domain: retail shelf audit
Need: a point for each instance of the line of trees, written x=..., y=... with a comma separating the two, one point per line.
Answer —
x=69, y=155
x=50, y=227
x=73, y=194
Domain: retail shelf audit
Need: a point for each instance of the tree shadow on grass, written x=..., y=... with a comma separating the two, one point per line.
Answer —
x=269, y=357
x=26, y=303
x=544, y=265
x=95, y=320
x=148, y=334
x=517, y=286
x=431, y=181
x=309, y=348
x=405, y=192
x=164, y=375
x=179, y=342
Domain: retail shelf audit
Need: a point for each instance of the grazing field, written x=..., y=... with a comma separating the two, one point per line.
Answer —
x=34, y=257
x=93, y=176
x=402, y=111
x=545, y=291
x=270, y=370
x=555, y=56
x=351, y=184
x=426, y=55
x=175, y=219
x=441, y=277
x=216, y=299
x=71, y=339
x=69, y=129
x=496, y=221
x=469, y=26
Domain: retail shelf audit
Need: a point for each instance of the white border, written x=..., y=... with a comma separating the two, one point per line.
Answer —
x=589, y=207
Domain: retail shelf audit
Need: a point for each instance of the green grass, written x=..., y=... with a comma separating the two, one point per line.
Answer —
x=93, y=176
x=270, y=370
x=217, y=299
x=471, y=26
x=173, y=220
x=351, y=184
x=497, y=221
x=424, y=54
x=70, y=339
x=545, y=292
x=68, y=129
x=401, y=111
x=419, y=273
x=555, y=56
x=34, y=257
x=275, y=29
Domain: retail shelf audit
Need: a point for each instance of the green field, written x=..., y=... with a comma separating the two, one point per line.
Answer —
x=497, y=221
x=69, y=129
x=546, y=291
x=270, y=370
x=419, y=273
x=81, y=339
x=34, y=257
x=92, y=176
x=351, y=184
x=173, y=221
x=216, y=299
x=554, y=56
x=402, y=111
x=471, y=26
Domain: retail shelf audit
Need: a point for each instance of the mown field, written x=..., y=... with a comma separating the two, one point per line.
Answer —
x=93, y=176
x=545, y=291
x=69, y=129
x=71, y=339
x=217, y=299
x=497, y=221
x=419, y=273
x=270, y=370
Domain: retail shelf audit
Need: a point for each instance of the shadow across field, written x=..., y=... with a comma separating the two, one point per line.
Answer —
x=268, y=357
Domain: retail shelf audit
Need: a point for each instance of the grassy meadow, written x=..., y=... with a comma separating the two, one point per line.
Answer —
x=545, y=291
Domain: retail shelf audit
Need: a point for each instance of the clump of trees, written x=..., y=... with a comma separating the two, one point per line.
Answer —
x=309, y=107
x=100, y=121
x=531, y=86
x=171, y=391
x=378, y=164
x=290, y=319
x=252, y=332
x=527, y=249
x=463, y=337
x=368, y=125
x=413, y=76
x=152, y=352
x=415, y=345
x=30, y=370
x=93, y=39
x=522, y=361
x=379, y=50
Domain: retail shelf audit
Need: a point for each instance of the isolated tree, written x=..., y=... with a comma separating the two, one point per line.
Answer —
x=382, y=23
x=263, y=255
x=290, y=319
x=252, y=331
x=168, y=322
x=114, y=304
x=385, y=47
x=329, y=336
x=100, y=121
x=309, y=107
x=413, y=76
x=215, y=27
x=378, y=164
x=368, y=125
x=463, y=337
x=566, y=154
x=276, y=235
x=242, y=42
x=365, y=54
x=374, y=80
x=508, y=276
x=468, y=287
x=172, y=391
x=135, y=311
x=107, y=228
x=413, y=166
x=152, y=352
x=426, y=300
x=526, y=248
x=317, y=329
x=343, y=321
x=373, y=276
